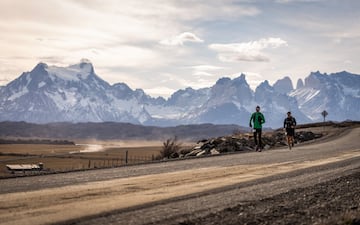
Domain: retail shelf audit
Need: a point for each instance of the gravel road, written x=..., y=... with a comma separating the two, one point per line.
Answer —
x=314, y=183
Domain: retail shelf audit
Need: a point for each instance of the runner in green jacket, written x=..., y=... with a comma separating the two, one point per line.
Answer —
x=257, y=118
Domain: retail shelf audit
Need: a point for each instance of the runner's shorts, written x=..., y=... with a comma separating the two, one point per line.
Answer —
x=290, y=131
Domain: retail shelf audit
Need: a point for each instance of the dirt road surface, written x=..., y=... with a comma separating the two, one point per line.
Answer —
x=185, y=191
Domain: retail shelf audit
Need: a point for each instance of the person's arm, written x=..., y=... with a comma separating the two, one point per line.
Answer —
x=294, y=122
x=285, y=123
x=251, y=118
x=263, y=118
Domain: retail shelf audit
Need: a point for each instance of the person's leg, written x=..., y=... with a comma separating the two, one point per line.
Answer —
x=288, y=136
x=292, y=136
x=255, y=138
x=260, y=142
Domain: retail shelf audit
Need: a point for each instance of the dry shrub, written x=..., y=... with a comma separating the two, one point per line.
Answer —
x=170, y=147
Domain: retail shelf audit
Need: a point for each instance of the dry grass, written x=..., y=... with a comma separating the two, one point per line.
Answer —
x=75, y=157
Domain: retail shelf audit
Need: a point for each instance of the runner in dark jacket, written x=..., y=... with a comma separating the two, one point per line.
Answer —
x=289, y=126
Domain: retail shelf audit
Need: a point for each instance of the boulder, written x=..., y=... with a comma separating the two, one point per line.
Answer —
x=214, y=152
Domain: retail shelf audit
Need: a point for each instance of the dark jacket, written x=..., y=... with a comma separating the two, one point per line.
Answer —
x=289, y=122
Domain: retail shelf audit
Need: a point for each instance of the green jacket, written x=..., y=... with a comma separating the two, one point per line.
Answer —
x=257, y=118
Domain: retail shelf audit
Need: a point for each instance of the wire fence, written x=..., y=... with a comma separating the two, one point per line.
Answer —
x=69, y=162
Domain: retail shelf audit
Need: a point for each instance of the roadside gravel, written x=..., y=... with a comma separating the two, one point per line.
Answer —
x=332, y=202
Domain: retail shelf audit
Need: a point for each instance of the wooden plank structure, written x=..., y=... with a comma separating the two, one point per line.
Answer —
x=25, y=167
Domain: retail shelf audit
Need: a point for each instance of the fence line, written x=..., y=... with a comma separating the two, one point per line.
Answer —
x=86, y=162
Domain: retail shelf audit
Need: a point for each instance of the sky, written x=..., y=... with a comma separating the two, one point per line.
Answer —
x=162, y=46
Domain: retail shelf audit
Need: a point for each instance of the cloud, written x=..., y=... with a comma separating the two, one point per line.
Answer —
x=207, y=67
x=290, y=1
x=160, y=91
x=181, y=39
x=246, y=51
x=202, y=74
x=205, y=70
x=107, y=33
x=137, y=41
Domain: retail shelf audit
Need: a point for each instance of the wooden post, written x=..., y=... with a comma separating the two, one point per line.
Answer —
x=126, y=157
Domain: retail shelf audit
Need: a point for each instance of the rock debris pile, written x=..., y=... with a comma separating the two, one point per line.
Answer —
x=242, y=142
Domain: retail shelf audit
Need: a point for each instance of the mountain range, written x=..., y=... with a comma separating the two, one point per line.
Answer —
x=76, y=93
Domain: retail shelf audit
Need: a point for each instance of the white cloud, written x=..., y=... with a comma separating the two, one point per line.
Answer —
x=181, y=39
x=202, y=74
x=207, y=67
x=206, y=73
x=121, y=38
x=246, y=51
x=127, y=56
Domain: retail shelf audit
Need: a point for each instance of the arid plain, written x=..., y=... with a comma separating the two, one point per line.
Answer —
x=182, y=191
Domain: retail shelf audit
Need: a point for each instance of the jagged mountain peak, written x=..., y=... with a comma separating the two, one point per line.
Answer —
x=183, y=97
x=263, y=91
x=228, y=81
x=241, y=78
x=39, y=70
x=122, y=86
x=241, y=81
x=41, y=65
x=345, y=76
x=265, y=85
x=337, y=93
x=283, y=85
x=236, y=88
x=223, y=81
x=187, y=91
x=299, y=84
x=84, y=65
x=315, y=80
x=317, y=73
x=85, y=61
x=75, y=93
x=43, y=74
x=76, y=72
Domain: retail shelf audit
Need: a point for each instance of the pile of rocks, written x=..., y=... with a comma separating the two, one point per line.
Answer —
x=241, y=142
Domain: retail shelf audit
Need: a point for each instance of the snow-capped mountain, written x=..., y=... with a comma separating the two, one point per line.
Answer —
x=338, y=94
x=228, y=102
x=275, y=105
x=76, y=94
